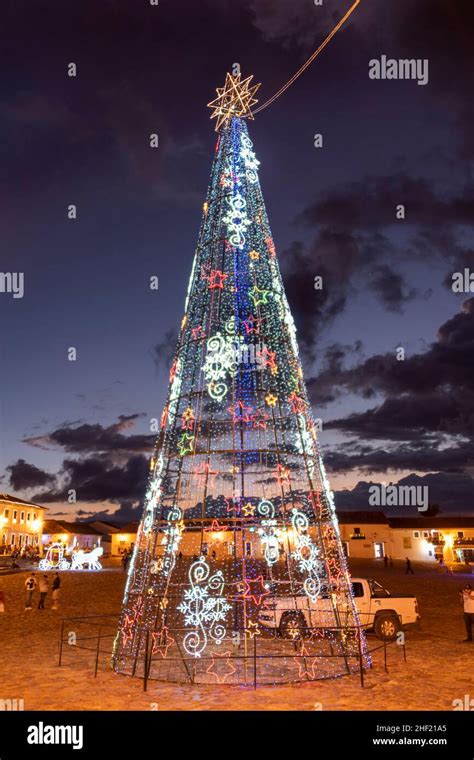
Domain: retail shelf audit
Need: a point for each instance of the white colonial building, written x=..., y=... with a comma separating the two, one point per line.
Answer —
x=364, y=535
x=421, y=539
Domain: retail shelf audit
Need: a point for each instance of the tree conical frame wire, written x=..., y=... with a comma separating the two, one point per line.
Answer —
x=238, y=574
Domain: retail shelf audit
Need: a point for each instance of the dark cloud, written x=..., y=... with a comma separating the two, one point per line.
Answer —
x=100, y=480
x=447, y=365
x=163, y=351
x=426, y=420
x=421, y=456
x=87, y=437
x=452, y=492
x=429, y=29
x=354, y=246
x=390, y=288
x=113, y=466
x=347, y=263
x=371, y=203
x=24, y=476
x=411, y=415
x=297, y=23
x=128, y=511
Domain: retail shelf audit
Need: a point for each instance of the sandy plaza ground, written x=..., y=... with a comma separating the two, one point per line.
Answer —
x=438, y=670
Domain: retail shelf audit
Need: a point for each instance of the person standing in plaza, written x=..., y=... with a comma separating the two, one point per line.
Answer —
x=43, y=589
x=55, y=589
x=30, y=585
x=467, y=601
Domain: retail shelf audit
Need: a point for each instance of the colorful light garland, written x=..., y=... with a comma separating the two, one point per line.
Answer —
x=238, y=511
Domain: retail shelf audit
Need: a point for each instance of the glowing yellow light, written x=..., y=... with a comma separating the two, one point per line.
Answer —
x=449, y=541
x=36, y=525
x=205, y=207
x=236, y=98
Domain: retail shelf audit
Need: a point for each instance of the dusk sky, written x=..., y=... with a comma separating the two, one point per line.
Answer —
x=85, y=140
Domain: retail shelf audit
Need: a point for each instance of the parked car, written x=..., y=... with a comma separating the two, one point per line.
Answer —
x=378, y=609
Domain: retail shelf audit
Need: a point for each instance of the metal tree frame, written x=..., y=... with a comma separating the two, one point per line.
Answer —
x=236, y=465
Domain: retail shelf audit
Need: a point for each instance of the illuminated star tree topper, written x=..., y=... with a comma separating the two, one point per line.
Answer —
x=236, y=98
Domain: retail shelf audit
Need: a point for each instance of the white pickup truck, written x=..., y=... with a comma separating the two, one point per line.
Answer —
x=378, y=611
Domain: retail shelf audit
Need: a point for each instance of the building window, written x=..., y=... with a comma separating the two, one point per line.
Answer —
x=6, y=513
x=35, y=516
x=22, y=517
x=15, y=515
x=460, y=534
x=357, y=589
x=28, y=517
x=426, y=534
x=406, y=542
x=416, y=534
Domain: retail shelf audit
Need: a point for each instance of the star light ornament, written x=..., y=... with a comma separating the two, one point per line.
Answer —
x=236, y=98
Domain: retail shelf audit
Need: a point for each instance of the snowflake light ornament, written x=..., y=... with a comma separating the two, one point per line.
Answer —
x=202, y=610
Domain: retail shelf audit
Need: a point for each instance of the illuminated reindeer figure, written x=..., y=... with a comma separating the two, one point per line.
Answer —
x=81, y=558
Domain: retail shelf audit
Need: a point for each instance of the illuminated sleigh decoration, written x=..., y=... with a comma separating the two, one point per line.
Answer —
x=55, y=559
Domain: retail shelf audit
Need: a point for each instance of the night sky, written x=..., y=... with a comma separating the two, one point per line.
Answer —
x=84, y=140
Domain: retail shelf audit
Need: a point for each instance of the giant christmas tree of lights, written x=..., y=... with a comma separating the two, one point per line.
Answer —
x=238, y=573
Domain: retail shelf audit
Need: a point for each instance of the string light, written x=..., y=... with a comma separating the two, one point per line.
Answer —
x=238, y=516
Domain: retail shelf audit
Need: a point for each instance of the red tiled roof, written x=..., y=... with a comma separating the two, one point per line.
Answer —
x=5, y=497
x=61, y=526
x=131, y=527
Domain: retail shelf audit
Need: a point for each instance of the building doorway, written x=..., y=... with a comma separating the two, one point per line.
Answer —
x=379, y=550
